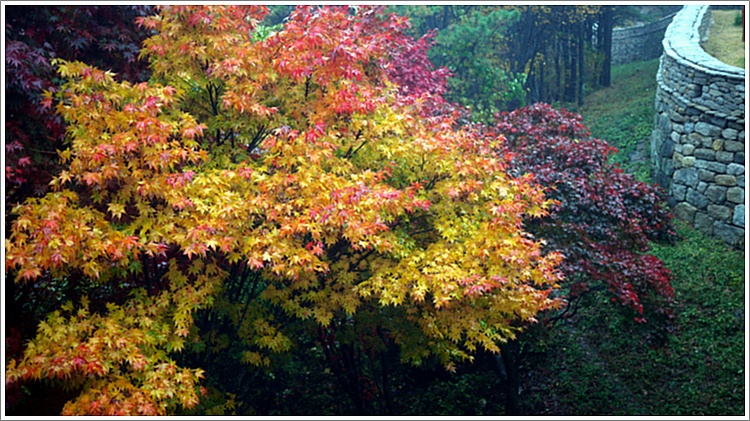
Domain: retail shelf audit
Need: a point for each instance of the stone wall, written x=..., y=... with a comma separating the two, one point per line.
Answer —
x=698, y=141
x=639, y=43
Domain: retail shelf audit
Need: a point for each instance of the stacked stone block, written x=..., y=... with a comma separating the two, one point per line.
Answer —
x=698, y=142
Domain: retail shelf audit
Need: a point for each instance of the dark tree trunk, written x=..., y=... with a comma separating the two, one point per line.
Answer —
x=344, y=363
x=527, y=40
x=509, y=352
x=543, y=94
x=446, y=16
x=352, y=373
x=606, y=23
x=581, y=62
x=387, y=397
x=558, y=71
x=570, y=74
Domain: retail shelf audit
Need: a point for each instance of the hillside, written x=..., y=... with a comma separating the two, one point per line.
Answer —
x=601, y=362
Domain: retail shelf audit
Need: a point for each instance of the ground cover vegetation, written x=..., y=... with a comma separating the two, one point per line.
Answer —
x=603, y=364
x=296, y=221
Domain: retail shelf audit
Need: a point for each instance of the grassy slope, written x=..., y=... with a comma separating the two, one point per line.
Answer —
x=608, y=368
x=623, y=114
x=601, y=363
x=725, y=39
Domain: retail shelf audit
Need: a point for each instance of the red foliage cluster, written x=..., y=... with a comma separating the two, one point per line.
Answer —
x=383, y=36
x=412, y=69
x=605, y=218
x=420, y=82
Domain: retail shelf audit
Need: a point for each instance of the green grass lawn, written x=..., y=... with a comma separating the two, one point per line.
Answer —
x=725, y=38
x=602, y=362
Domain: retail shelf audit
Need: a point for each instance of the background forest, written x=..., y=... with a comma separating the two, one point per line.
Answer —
x=339, y=211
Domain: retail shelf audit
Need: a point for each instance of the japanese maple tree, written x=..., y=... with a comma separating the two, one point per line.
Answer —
x=275, y=178
x=603, y=219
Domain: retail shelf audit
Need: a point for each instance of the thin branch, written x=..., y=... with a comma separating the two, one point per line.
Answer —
x=350, y=155
x=575, y=303
x=44, y=152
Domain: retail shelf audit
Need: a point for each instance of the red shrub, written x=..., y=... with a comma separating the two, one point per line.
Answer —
x=605, y=218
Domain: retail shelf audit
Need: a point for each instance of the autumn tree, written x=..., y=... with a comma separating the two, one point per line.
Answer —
x=267, y=183
x=603, y=219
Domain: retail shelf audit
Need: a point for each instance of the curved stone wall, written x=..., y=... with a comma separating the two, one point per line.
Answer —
x=698, y=141
x=639, y=43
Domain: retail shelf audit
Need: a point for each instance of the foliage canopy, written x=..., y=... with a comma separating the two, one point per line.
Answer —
x=284, y=180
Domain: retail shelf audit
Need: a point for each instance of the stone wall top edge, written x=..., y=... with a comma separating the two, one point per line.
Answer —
x=629, y=34
x=619, y=33
x=682, y=43
x=705, y=63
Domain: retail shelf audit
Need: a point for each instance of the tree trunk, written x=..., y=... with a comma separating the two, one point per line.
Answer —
x=572, y=67
x=581, y=62
x=510, y=353
x=606, y=23
x=558, y=70
x=543, y=94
